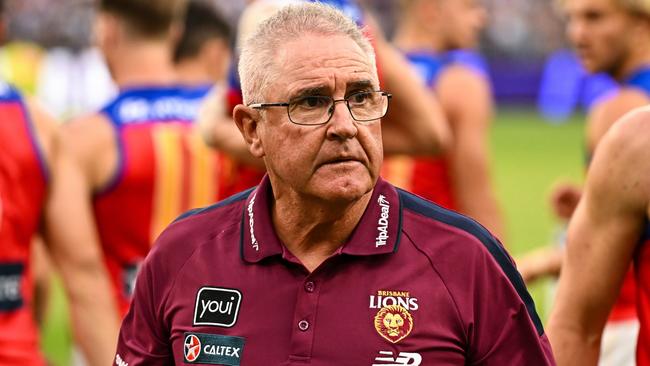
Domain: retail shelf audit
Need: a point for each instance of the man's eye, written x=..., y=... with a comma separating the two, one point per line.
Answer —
x=312, y=102
x=359, y=98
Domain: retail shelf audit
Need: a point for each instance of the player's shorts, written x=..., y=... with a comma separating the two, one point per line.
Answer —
x=618, y=345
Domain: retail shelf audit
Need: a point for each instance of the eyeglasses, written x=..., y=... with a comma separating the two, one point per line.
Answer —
x=365, y=106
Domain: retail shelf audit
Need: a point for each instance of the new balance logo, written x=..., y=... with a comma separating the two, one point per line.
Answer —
x=386, y=358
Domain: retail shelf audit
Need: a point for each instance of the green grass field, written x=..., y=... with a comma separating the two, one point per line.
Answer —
x=529, y=155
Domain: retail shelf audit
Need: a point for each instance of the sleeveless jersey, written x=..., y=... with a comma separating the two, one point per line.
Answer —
x=430, y=177
x=163, y=170
x=640, y=80
x=22, y=192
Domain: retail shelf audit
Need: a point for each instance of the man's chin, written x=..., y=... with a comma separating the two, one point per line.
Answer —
x=344, y=189
x=590, y=66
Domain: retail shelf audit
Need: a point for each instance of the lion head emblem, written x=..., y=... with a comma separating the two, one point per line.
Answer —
x=393, y=323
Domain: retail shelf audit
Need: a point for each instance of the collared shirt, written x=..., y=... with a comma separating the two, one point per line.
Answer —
x=415, y=284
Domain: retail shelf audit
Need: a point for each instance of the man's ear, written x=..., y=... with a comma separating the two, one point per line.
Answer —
x=247, y=120
x=106, y=32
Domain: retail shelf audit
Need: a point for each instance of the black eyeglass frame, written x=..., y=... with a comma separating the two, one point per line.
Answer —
x=334, y=101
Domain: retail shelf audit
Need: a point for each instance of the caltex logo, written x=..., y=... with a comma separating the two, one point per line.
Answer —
x=192, y=348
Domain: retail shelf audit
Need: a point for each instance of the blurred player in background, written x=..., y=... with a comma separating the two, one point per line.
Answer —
x=136, y=164
x=28, y=153
x=414, y=124
x=434, y=36
x=202, y=55
x=608, y=231
x=611, y=36
x=26, y=149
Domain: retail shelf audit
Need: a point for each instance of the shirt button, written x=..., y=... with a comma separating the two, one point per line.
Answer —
x=310, y=286
x=303, y=325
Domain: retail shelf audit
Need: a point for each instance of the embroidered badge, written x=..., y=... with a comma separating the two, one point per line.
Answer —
x=217, y=306
x=393, y=323
x=213, y=349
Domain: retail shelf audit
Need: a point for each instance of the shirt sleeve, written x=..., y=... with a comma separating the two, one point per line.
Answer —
x=143, y=339
x=503, y=327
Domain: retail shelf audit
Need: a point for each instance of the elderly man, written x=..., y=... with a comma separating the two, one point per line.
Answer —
x=324, y=263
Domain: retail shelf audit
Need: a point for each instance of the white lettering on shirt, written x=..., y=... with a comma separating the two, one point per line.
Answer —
x=135, y=110
x=221, y=350
x=10, y=288
x=382, y=223
x=120, y=362
x=251, y=223
x=215, y=306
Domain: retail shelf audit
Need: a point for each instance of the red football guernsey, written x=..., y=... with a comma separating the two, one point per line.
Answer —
x=430, y=177
x=642, y=271
x=22, y=192
x=415, y=284
x=626, y=305
x=164, y=170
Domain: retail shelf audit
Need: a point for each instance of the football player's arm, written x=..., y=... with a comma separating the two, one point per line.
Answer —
x=606, y=113
x=602, y=236
x=44, y=127
x=565, y=196
x=219, y=130
x=465, y=96
x=74, y=245
x=540, y=263
x=415, y=123
x=41, y=270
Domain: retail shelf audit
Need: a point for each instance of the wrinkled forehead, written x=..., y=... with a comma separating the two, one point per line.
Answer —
x=322, y=61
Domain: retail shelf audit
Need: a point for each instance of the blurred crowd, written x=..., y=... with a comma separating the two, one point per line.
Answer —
x=519, y=37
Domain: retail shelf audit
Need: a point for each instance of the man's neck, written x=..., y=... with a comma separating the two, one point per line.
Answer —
x=192, y=72
x=410, y=37
x=143, y=63
x=312, y=230
x=637, y=58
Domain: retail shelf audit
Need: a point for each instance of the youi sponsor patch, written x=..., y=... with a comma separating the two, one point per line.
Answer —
x=213, y=349
x=217, y=306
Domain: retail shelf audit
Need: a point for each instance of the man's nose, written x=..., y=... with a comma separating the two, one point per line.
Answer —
x=576, y=31
x=341, y=125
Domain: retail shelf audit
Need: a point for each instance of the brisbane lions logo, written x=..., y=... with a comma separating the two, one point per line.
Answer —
x=393, y=323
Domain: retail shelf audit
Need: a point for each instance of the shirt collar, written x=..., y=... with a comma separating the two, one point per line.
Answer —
x=378, y=231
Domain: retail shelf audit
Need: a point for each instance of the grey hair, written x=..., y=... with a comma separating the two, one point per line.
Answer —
x=258, y=54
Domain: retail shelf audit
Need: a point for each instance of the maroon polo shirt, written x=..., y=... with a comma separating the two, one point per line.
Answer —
x=415, y=284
